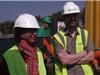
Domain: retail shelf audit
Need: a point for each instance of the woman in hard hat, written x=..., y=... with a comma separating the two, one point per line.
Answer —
x=73, y=46
x=25, y=58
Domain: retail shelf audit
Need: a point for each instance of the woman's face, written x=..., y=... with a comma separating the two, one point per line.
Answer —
x=30, y=36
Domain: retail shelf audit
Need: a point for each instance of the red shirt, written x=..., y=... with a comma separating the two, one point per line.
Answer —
x=97, y=57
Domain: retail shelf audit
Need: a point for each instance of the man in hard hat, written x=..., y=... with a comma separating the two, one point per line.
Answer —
x=73, y=46
x=25, y=58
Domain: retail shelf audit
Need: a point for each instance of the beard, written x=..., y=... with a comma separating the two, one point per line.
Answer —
x=72, y=24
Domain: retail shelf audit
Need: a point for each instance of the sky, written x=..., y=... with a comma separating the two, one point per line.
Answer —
x=10, y=10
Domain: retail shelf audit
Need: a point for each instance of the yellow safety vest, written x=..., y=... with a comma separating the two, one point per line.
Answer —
x=61, y=69
x=16, y=64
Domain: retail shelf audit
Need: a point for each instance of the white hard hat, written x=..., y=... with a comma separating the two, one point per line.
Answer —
x=26, y=21
x=70, y=7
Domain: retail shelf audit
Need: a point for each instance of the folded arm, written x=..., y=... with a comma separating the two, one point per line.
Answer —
x=66, y=58
x=89, y=57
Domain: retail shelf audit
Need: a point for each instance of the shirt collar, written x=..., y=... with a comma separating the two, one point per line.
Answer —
x=75, y=33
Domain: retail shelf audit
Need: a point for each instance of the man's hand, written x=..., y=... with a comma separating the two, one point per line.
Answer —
x=87, y=58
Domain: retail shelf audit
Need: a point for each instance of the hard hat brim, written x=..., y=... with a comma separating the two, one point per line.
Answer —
x=65, y=13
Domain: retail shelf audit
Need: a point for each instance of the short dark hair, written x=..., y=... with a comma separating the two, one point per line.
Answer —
x=19, y=31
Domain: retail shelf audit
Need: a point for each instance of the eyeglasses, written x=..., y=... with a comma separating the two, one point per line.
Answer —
x=31, y=33
x=70, y=15
x=34, y=31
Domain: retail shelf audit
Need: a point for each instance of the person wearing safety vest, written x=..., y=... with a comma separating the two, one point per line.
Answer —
x=73, y=47
x=45, y=33
x=25, y=58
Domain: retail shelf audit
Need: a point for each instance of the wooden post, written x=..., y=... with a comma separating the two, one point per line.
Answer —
x=92, y=21
x=89, y=18
x=97, y=24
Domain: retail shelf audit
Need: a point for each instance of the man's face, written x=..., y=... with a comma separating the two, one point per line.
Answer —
x=30, y=36
x=71, y=19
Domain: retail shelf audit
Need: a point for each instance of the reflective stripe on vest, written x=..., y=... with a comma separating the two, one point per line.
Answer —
x=60, y=69
x=79, y=48
x=16, y=64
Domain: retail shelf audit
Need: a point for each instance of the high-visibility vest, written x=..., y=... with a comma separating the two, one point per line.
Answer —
x=16, y=64
x=61, y=38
